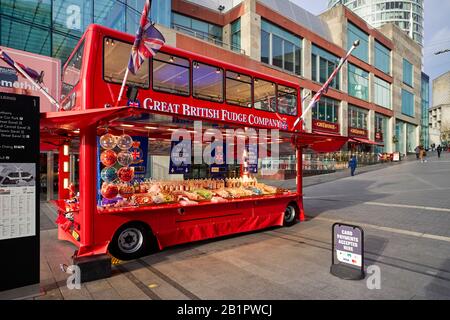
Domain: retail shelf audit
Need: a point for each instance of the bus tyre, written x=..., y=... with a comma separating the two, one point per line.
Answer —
x=130, y=242
x=290, y=215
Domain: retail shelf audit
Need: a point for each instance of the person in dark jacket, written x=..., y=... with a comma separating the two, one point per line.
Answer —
x=352, y=164
x=439, y=150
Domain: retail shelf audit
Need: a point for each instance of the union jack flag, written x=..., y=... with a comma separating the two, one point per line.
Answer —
x=147, y=43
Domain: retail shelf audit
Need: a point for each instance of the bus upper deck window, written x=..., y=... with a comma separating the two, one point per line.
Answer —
x=207, y=82
x=72, y=73
x=238, y=89
x=116, y=58
x=170, y=74
x=287, y=100
x=265, y=98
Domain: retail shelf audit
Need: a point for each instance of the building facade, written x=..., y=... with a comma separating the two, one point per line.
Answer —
x=53, y=27
x=375, y=99
x=407, y=15
x=439, y=114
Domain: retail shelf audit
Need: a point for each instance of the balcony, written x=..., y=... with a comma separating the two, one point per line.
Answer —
x=206, y=37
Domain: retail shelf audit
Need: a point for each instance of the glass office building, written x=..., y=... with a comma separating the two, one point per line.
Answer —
x=379, y=12
x=425, y=104
x=53, y=27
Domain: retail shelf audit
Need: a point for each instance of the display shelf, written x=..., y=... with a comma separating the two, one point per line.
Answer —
x=200, y=204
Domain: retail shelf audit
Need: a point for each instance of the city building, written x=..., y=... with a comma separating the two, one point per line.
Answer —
x=375, y=100
x=439, y=114
x=379, y=12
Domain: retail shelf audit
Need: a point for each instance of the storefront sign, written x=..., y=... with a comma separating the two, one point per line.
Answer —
x=10, y=82
x=19, y=193
x=348, y=250
x=378, y=136
x=214, y=114
x=357, y=132
x=325, y=126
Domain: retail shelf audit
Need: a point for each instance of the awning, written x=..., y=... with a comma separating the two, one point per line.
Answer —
x=366, y=141
x=320, y=142
x=73, y=120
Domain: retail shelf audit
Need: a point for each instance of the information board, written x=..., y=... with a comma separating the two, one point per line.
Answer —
x=19, y=193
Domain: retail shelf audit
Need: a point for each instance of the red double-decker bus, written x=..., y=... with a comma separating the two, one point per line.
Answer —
x=130, y=198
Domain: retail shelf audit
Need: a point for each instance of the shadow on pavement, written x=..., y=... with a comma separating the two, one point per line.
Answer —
x=439, y=288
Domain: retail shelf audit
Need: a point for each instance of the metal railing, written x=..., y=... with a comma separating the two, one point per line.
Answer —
x=206, y=37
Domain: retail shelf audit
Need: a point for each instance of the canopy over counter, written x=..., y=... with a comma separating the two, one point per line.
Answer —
x=57, y=125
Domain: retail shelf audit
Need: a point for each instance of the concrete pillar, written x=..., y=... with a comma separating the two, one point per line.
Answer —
x=371, y=125
x=371, y=51
x=343, y=74
x=251, y=30
x=306, y=59
x=226, y=36
x=388, y=144
x=343, y=118
x=405, y=140
x=371, y=87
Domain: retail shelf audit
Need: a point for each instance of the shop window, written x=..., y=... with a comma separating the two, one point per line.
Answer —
x=357, y=117
x=170, y=74
x=287, y=100
x=326, y=110
x=116, y=57
x=264, y=92
x=207, y=82
x=238, y=89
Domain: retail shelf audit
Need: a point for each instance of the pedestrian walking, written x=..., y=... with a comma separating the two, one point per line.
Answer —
x=422, y=154
x=417, y=150
x=352, y=164
x=439, y=150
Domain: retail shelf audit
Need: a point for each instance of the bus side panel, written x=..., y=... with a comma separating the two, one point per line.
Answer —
x=224, y=219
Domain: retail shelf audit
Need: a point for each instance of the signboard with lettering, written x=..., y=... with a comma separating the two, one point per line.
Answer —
x=10, y=82
x=19, y=193
x=357, y=132
x=319, y=125
x=348, y=250
x=180, y=157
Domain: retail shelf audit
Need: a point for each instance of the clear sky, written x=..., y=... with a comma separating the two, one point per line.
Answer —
x=437, y=32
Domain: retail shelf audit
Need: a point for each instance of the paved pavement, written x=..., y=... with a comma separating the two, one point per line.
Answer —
x=404, y=210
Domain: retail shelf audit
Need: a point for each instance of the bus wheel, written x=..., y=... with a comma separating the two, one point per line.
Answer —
x=130, y=242
x=289, y=215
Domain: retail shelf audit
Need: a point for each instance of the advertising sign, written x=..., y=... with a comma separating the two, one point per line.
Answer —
x=348, y=249
x=252, y=158
x=10, y=82
x=319, y=125
x=378, y=136
x=357, y=132
x=19, y=193
x=180, y=159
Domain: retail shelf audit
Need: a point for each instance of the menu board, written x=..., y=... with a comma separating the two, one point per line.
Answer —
x=19, y=195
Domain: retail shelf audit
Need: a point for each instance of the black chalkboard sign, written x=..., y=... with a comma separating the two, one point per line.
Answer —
x=19, y=190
